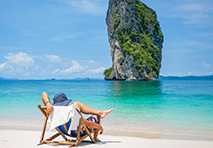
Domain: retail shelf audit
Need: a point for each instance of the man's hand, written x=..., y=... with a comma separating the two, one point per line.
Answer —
x=49, y=109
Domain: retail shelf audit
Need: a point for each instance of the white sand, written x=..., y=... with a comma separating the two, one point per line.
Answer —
x=30, y=139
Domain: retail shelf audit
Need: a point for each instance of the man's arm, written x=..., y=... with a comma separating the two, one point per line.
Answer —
x=47, y=103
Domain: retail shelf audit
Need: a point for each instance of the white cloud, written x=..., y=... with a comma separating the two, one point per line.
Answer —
x=206, y=35
x=56, y=71
x=191, y=12
x=9, y=69
x=194, y=43
x=28, y=74
x=18, y=65
x=196, y=18
x=191, y=7
x=206, y=65
x=2, y=66
x=94, y=7
x=62, y=37
x=99, y=70
x=188, y=45
x=21, y=59
x=76, y=67
x=199, y=72
x=53, y=58
x=37, y=67
x=209, y=73
x=92, y=62
x=28, y=33
x=190, y=73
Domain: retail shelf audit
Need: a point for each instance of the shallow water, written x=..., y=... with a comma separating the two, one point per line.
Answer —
x=164, y=107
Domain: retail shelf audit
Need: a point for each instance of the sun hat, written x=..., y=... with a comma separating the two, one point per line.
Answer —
x=60, y=99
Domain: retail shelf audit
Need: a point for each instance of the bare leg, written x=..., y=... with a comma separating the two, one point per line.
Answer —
x=91, y=124
x=96, y=136
x=88, y=110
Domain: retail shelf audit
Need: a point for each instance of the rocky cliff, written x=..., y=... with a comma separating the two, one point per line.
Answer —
x=135, y=39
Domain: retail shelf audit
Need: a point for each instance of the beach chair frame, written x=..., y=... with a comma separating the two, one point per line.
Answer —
x=71, y=142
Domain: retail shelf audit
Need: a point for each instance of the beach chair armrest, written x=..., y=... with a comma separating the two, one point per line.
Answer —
x=43, y=110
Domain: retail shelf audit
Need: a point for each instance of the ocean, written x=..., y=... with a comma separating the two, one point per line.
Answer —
x=174, y=109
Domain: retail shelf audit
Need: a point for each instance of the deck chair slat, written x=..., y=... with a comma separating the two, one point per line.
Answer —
x=54, y=136
x=44, y=128
x=60, y=142
x=79, y=130
x=65, y=138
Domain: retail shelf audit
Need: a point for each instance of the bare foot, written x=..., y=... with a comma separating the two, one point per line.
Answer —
x=105, y=113
x=98, y=140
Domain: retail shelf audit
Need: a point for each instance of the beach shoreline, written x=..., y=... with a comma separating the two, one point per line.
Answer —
x=26, y=138
x=123, y=133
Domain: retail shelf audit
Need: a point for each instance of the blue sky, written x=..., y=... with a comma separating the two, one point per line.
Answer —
x=41, y=39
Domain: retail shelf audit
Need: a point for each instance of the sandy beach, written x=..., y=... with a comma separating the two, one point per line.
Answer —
x=30, y=139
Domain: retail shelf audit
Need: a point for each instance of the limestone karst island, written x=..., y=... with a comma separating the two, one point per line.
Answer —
x=136, y=41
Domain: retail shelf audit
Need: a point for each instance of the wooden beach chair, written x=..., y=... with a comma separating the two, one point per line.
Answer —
x=78, y=137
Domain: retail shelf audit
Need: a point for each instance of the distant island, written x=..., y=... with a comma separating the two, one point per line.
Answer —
x=1, y=78
x=209, y=77
x=135, y=39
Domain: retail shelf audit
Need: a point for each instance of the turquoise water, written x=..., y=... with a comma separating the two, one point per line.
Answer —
x=167, y=106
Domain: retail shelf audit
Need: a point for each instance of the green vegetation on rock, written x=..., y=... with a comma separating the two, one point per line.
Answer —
x=108, y=72
x=141, y=47
x=139, y=35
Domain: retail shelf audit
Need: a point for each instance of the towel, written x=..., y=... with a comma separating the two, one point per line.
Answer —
x=61, y=115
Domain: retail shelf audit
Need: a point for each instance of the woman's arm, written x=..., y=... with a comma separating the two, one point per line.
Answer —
x=47, y=103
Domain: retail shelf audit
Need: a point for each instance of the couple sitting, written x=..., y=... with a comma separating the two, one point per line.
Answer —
x=91, y=122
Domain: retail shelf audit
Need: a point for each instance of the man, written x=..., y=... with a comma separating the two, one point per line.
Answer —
x=61, y=100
